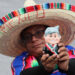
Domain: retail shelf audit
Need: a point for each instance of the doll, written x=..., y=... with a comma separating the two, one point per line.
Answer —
x=52, y=38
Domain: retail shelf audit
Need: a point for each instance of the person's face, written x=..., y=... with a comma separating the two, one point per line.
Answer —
x=53, y=38
x=34, y=42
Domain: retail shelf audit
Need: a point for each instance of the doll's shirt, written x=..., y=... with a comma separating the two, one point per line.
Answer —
x=52, y=48
x=24, y=61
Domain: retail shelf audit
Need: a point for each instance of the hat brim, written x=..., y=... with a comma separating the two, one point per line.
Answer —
x=10, y=35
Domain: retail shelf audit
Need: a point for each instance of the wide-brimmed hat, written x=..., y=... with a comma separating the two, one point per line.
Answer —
x=50, y=14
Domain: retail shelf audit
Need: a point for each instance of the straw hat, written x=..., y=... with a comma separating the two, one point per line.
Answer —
x=50, y=14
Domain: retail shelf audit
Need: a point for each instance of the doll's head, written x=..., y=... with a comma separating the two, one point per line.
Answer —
x=52, y=35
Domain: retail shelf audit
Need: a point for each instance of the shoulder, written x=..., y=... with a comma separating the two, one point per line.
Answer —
x=19, y=59
x=18, y=63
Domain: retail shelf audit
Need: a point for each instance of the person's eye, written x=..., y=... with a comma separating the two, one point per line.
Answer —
x=55, y=36
x=27, y=36
x=50, y=35
x=40, y=32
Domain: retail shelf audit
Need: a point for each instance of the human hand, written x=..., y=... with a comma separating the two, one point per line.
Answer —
x=49, y=62
x=63, y=57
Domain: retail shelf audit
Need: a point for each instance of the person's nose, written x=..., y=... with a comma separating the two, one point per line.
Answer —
x=34, y=38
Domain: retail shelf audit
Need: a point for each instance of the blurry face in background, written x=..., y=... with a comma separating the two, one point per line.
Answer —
x=34, y=40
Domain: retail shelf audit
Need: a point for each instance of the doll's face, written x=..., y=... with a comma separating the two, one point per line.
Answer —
x=53, y=38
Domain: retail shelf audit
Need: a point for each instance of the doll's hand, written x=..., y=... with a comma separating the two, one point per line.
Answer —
x=49, y=62
x=63, y=57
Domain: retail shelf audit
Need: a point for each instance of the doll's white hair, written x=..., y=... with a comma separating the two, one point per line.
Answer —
x=50, y=30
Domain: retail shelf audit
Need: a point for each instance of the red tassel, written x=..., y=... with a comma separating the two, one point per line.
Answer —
x=38, y=7
x=30, y=9
x=62, y=6
x=4, y=19
x=52, y=5
x=73, y=8
x=15, y=13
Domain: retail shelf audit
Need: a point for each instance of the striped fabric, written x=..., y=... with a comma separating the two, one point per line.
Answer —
x=19, y=62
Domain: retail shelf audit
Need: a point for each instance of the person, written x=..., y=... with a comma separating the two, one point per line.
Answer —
x=22, y=31
x=33, y=39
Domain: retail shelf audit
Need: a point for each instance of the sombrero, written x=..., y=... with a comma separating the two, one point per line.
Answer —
x=50, y=14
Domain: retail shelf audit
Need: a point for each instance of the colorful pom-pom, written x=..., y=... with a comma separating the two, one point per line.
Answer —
x=46, y=6
x=73, y=8
x=15, y=13
x=22, y=10
x=4, y=19
x=35, y=8
x=7, y=17
x=62, y=5
x=58, y=5
x=30, y=9
x=55, y=5
x=68, y=6
x=51, y=5
x=38, y=7
x=10, y=16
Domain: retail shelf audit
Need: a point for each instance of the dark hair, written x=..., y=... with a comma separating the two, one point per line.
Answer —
x=22, y=40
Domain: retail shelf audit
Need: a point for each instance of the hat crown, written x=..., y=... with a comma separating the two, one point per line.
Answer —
x=29, y=3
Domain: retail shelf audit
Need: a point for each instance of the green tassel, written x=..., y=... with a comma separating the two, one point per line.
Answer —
x=6, y=17
x=10, y=16
x=58, y=5
x=68, y=6
x=54, y=5
x=22, y=10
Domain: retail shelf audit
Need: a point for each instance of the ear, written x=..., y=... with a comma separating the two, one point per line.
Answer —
x=44, y=36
